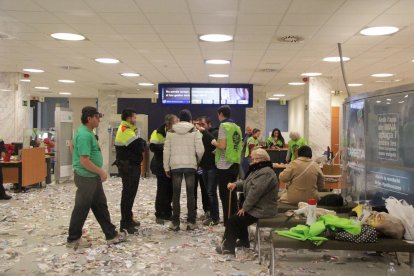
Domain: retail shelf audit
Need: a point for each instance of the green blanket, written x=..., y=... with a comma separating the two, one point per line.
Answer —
x=312, y=232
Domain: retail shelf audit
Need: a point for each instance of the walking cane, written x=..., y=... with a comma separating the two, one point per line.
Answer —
x=229, y=212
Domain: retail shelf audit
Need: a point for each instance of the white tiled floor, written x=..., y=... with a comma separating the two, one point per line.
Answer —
x=33, y=229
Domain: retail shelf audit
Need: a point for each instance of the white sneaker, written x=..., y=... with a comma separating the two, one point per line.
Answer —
x=78, y=244
x=120, y=237
x=191, y=226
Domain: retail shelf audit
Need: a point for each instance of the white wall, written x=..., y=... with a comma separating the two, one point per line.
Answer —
x=296, y=117
x=337, y=100
x=76, y=105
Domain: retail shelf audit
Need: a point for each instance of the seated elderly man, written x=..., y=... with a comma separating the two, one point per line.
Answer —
x=304, y=178
x=260, y=188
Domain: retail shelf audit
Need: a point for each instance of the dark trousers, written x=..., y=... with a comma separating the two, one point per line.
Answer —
x=2, y=190
x=177, y=179
x=210, y=181
x=163, y=198
x=130, y=182
x=225, y=177
x=204, y=196
x=237, y=228
x=90, y=195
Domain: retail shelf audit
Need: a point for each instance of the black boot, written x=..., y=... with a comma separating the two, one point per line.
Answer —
x=129, y=229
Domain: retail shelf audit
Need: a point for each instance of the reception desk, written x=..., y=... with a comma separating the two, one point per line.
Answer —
x=30, y=170
x=277, y=155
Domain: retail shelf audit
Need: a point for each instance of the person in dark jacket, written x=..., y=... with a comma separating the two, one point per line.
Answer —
x=163, y=199
x=260, y=188
x=208, y=166
x=129, y=148
x=3, y=194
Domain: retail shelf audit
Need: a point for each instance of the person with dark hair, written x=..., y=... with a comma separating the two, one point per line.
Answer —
x=183, y=151
x=208, y=166
x=89, y=175
x=129, y=149
x=3, y=194
x=305, y=178
x=228, y=154
x=163, y=198
x=276, y=140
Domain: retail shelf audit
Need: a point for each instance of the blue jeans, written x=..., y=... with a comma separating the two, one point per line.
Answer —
x=210, y=181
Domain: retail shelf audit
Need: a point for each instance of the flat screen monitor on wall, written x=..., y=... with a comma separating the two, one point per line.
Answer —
x=206, y=94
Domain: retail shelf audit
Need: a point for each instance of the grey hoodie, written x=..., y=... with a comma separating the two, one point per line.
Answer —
x=183, y=148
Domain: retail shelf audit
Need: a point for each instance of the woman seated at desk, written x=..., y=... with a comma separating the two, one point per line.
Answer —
x=260, y=190
x=276, y=140
x=304, y=178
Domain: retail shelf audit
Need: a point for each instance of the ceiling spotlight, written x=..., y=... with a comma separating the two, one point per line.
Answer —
x=156, y=93
x=68, y=36
x=311, y=74
x=336, y=59
x=42, y=87
x=296, y=83
x=130, y=74
x=65, y=93
x=382, y=75
x=218, y=75
x=378, y=101
x=5, y=90
x=216, y=37
x=25, y=80
x=406, y=96
x=355, y=84
x=66, y=81
x=401, y=102
x=279, y=95
x=32, y=70
x=392, y=80
x=389, y=100
x=107, y=60
x=217, y=61
x=274, y=99
x=145, y=84
x=374, y=31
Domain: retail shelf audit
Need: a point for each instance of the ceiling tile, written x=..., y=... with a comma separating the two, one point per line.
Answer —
x=215, y=29
x=366, y=6
x=169, y=18
x=315, y=6
x=79, y=17
x=94, y=29
x=34, y=17
x=124, y=18
x=217, y=18
x=21, y=5
x=112, y=6
x=213, y=6
x=133, y=29
x=53, y=5
x=266, y=6
x=148, y=6
x=174, y=29
x=310, y=19
x=259, y=19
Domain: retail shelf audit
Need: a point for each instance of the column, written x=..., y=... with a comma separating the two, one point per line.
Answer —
x=256, y=116
x=14, y=107
x=318, y=114
x=107, y=104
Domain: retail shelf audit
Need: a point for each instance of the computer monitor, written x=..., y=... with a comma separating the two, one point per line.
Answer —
x=17, y=147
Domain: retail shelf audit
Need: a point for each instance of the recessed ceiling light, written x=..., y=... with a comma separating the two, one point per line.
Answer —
x=5, y=90
x=107, y=60
x=393, y=80
x=32, y=70
x=145, y=84
x=279, y=95
x=355, y=84
x=156, y=93
x=216, y=37
x=382, y=75
x=336, y=59
x=378, y=101
x=65, y=93
x=66, y=81
x=217, y=61
x=406, y=96
x=25, y=80
x=296, y=83
x=388, y=103
x=274, y=99
x=42, y=87
x=311, y=74
x=218, y=75
x=384, y=30
x=130, y=74
x=389, y=100
x=401, y=102
x=68, y=36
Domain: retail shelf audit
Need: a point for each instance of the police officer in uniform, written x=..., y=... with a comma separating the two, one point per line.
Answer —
x=3, y=194
x=129, y=149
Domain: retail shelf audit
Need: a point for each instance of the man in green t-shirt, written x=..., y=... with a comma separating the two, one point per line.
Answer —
x=89, y=175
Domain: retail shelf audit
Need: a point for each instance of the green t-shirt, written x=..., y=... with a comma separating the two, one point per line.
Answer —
x=85, y=144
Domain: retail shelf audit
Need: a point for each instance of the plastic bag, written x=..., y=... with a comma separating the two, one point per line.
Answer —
x=386, y=224
x=403, y=211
